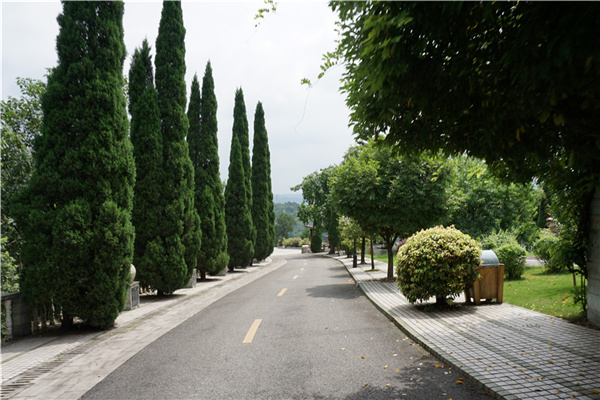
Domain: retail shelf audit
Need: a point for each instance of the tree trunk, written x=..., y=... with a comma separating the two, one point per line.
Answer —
x=440, y=301
x=362, y=251
x=390, y=254
x=593, y=261
x=67, y=322
x=372, y=256
x=203, y=276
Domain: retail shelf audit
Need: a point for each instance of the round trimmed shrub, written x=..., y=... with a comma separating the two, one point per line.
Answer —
x=513, y=257
x=437, y=262
x=509, y=252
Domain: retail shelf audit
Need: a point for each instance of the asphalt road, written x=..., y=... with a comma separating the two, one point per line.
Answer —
x=302, y=331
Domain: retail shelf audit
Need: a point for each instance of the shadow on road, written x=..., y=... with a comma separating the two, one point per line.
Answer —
x=413, y=385
x=336, y=291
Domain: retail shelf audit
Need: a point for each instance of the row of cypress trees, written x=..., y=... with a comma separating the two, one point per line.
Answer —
x=97, y=177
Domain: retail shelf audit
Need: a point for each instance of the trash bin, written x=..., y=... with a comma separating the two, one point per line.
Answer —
x=490, y=285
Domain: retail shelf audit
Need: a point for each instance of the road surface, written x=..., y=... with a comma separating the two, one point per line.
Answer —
x=301, y=331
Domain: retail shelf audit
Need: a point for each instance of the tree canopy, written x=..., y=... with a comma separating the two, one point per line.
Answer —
x=180, y=224
x=204, y=153
x=479, y=203
x=21, y=121
x=391, y=195
x=241, y=131
x=513, y=83
x=262, y=203
x=146, y=138
x=75, y=214
x=317, y=207
x=516, y=84
x=284, y=224
x=237, y=215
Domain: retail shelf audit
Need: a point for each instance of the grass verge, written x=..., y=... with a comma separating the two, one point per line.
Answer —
x=548, y=293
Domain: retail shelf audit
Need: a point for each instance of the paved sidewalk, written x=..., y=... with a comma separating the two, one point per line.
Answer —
x=512, y=352
x=55, y=365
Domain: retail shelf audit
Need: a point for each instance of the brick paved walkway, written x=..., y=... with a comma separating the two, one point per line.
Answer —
x=512, y=352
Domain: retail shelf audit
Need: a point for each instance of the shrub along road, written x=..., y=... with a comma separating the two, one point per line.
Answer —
x=301, y=331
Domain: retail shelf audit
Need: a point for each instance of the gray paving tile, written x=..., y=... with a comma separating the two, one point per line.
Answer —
x=522, y=353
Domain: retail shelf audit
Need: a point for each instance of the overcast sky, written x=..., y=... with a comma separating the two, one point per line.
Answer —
x=308, y=129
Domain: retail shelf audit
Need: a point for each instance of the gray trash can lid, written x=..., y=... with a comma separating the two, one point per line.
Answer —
x=489, y=258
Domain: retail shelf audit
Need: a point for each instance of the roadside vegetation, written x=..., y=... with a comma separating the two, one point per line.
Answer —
x=539, y=290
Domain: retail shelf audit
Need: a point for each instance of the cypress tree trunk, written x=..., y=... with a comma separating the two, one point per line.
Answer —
x=76, y=213
x=237, y=215
x=210, y=204
x=147, y=149
x=261, y=187
x=180, y=224
x=240, y=130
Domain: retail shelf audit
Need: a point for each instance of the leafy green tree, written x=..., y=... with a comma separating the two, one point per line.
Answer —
x=204, y=152
x=514, y=84
x=179, y=222
x=317, y=206
x=349, y=232
x=75, y=214
x=237, y=215
x=292, y=209
x=389, y=195
x=284, y=224
x=316, y=241
x=240, y=130
x=149, y=254
x=21, y=120
x=9, y=276
x=262, y=202
x=480, y=203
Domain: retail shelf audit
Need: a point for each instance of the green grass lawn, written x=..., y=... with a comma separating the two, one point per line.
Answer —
x=546, y=293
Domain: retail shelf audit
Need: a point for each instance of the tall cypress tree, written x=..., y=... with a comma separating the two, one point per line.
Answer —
x=145, y=136
x=262, y=198
x=204, y=152
x=238, y=218
x=179, y=223
x=240, y=129
x=76, y=213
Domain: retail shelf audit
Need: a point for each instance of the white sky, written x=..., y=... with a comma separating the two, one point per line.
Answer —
x=308, y=129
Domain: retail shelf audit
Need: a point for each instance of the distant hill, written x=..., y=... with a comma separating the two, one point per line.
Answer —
x=288, y=197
